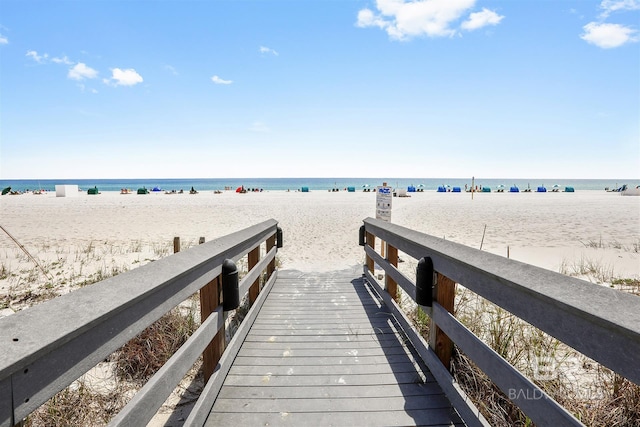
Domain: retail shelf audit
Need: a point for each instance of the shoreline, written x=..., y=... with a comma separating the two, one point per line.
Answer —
x=317, y=184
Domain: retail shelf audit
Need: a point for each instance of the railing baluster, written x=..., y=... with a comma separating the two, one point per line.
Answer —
x=253, y=259
x=209, y=301
x=271, y=242
x=445, y=290
x=390, y=284
x=371, y=241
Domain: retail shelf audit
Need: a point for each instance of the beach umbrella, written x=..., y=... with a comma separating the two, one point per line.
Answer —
x=6, y=190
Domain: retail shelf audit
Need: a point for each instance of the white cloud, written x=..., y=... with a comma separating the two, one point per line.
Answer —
x=3, y=39
x=63, y=60
x=608, y=36
x=481, y=19
x=264, y=49
x=403, y=19
x=128, y=77
x=366, y=18
x=80, y=71
x=38, y=58
x=217, y=80
x=610, y=6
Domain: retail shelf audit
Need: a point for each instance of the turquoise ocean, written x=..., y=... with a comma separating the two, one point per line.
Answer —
x=313, y=184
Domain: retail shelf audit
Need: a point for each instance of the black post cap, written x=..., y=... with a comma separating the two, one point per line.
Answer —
x=279, y=237
x=424, y=282
x=230, y=291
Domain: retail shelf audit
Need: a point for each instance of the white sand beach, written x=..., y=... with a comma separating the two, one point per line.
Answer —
x=594, y=235
x=552, y=230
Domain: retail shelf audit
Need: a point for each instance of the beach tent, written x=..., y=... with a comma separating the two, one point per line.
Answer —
x=305, y=189
x=411, y=189
x=569, y=189
x=6, y=190
x=514, y=189
x=143, y=190
x=93, y=190
x=486, y=189
x=351, y=189
x=541, y=189
x=66, y=190
x=156, y=189
x=442, y=189
x=456, y=190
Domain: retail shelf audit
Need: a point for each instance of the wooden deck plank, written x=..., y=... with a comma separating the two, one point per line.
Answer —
x=344, y=404
x=330, y=369
x=325, y=351
x=323, y=380
x=427, y=417
x=256, y=353
x=364, y=391
x=327, y=343
x=320, y=361
x=268, y=343
x=338, y=340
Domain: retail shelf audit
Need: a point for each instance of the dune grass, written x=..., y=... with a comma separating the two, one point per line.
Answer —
x=594, y=394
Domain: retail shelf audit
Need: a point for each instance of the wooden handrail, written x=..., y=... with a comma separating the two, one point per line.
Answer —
x=595, y=320
x=47, y=347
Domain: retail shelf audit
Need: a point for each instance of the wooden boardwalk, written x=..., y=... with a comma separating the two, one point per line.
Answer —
x=324, y=351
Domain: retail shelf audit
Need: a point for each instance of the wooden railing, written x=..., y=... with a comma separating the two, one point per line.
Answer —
x=599, y=322
x=45, y=348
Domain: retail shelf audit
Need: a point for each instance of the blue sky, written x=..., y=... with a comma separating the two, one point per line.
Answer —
x=431, y=88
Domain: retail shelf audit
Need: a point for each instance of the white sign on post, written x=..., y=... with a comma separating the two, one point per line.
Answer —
x=384, y=197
